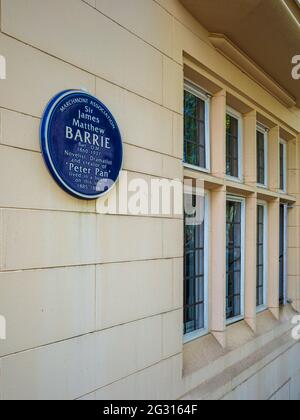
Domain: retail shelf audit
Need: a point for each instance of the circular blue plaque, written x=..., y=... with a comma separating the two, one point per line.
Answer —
x=81, y=144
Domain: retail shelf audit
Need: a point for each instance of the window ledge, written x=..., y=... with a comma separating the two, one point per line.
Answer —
x=236, y=320
x=290, y=199
x=261, y=309
x=228, y=378
x=238, y=188
x=210, y=181
x=188, y=338
x=237, y=180
x=262, y=186
x=204, y=359
x=196, y=168
x=199, y=353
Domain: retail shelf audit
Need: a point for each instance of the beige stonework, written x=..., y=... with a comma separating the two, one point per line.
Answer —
x=94, y=302
x=251, y=259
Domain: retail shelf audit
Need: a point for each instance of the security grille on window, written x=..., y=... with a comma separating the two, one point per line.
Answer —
x=234, y=297
x=261, y=157
x=233, y=164
x=194, y=273
x=260, y=299
x=196, y=128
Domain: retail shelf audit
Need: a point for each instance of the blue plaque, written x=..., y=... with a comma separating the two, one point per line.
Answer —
x=81, y=144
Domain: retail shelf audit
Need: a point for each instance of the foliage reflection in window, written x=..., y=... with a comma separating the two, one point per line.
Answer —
x=195, y=131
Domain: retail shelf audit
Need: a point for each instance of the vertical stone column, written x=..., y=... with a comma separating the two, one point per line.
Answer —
x=297, y=304
x=293, y=286
x=292, y=170
x=250, y=261
x=293, y=225
x=250, y=149
x=273, y=163
x=273, y=269
x=293, y=268
x=218, y=265
x=218, y=134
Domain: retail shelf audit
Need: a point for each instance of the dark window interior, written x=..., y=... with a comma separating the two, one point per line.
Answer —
x=260, y=255
x=232, y=146
x=282, y=167
x=261, y=158
x=234, y=259
x=194, y=276
x=282, y=255
x=194, y=130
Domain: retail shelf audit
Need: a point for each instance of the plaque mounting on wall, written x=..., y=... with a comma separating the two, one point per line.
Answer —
x=81, y=144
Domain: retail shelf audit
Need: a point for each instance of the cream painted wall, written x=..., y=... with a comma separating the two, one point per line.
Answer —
x=86, y=320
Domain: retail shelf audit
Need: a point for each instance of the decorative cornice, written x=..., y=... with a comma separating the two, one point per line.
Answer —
x=294, y=9
x=248, y=66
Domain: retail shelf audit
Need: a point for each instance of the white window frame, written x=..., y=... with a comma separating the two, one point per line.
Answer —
x=243, y=244
x=204, y=331
x=206, y=97
x=265, y=132
x=284, y=190
x=238, y=116
x=264, y=306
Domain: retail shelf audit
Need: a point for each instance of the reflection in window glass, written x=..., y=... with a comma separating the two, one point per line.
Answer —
x=194, y=131
x=261, y=170
x=194, y=275
x=234, y=259
x=260, y=299
x=232, y=146
x=282, y=166
x=282, y=255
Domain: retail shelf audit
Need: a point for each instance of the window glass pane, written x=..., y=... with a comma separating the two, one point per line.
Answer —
x=194, y=275
x=237, y=237
x=261, y=158
x=234, y=255
x=260, y=255
x=202, y=136
x=191, y=153
x=260, y=296
x=191, y=130
x=232, y=146
x=282, y=166
x=282, y=255
x=194, y=130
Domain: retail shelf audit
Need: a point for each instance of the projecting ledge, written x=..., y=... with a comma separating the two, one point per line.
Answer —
x=210, y=370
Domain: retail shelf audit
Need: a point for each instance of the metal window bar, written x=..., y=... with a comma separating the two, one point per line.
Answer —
x=232, y=146
x=194, y=277
x=194, y=130
x=234, y=255
x=282, y=256
x=282, y=167
x=260, y=158
x=260, y=255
